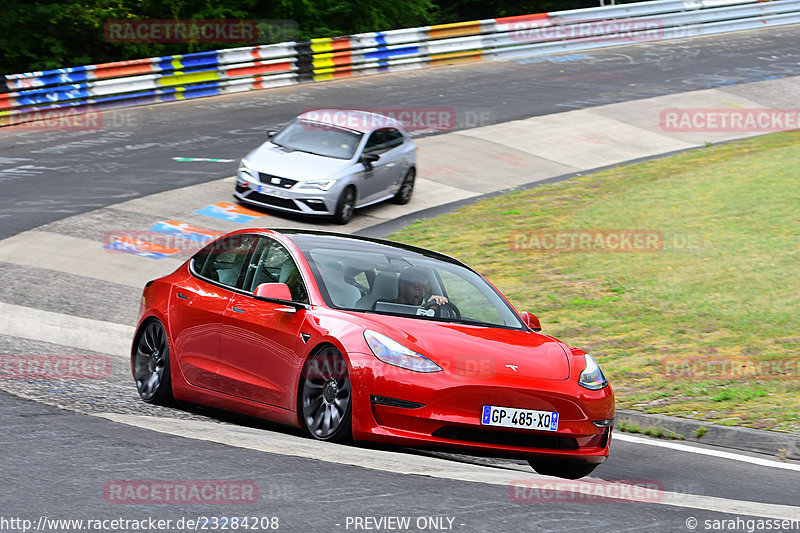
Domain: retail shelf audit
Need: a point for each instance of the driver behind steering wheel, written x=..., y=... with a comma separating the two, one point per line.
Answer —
x=413, y=288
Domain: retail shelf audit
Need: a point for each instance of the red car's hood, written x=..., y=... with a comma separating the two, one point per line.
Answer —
x=479, y=349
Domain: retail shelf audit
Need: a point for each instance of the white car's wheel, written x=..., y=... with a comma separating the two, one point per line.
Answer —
x=403, y=196
x=346, y=206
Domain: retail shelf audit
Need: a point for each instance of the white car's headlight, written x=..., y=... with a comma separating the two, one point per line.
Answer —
x=321, y=185
x=592, y=377
x=393, y=353
x=245, y=167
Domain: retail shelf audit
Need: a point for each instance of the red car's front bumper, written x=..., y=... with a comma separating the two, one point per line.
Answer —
x=443, y=409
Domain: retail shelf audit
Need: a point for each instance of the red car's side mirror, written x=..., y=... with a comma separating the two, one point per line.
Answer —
x=273, y=291
x=532, y=321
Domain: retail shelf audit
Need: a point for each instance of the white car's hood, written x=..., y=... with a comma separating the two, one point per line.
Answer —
x=272, y=159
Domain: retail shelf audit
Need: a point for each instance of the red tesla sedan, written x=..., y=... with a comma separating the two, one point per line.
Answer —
x=356, y=338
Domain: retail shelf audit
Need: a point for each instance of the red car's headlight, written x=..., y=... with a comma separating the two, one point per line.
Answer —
x=592, y=377
x=393, y=353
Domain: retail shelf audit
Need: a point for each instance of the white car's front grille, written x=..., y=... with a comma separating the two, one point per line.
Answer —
x=277, y=181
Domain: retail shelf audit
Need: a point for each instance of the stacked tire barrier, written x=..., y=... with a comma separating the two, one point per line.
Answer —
x=32, y=95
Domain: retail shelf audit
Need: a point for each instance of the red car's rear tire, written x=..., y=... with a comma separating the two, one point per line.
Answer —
x=151, y=364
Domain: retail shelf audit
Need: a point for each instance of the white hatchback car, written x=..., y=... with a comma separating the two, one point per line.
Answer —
x=330, y=162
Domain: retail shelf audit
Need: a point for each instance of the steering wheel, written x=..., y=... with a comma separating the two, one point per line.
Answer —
x=450, y=306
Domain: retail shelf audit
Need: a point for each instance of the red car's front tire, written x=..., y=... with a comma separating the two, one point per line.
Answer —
x=325, y=396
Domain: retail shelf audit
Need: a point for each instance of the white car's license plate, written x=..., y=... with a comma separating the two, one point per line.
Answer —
x=273, y=191
x=511, y=417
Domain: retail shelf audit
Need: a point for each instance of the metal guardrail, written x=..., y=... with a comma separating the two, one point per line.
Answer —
x=30, y=95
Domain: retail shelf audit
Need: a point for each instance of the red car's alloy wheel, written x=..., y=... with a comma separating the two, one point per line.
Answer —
x=325, y=396
x=151, y=364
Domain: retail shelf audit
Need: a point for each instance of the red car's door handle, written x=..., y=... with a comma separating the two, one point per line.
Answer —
x=237, y=310
x=182, y=297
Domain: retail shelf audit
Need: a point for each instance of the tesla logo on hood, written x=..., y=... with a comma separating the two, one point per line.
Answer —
x=513, y=367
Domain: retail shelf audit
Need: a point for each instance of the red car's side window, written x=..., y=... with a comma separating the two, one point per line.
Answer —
x=271, y=263
x=223, y=262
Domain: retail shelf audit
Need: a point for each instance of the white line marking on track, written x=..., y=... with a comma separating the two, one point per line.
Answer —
x=66, y=330
x=703, y=451
x=401, y=463
x=202, y=160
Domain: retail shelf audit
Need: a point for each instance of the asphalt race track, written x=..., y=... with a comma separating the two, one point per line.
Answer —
x=64, y=443
x=77, y=455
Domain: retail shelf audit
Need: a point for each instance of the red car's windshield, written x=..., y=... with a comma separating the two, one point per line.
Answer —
x=407, y=284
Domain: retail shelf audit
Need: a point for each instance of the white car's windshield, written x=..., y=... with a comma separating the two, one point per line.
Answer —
x=320, y=139
x=408, y=284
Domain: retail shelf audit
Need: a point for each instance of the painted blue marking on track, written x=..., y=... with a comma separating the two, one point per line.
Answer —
x=133, y=250
x=224, y=214
x=178, y=231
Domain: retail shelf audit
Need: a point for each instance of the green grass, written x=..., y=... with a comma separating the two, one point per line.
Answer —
x=651, y=431
x=723, y=290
